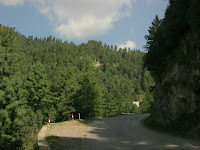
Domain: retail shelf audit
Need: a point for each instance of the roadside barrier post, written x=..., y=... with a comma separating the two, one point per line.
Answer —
x=49, y=121
x=79, y=116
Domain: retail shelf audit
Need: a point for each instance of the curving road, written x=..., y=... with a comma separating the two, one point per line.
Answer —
x=127, y=133
x=124, y=132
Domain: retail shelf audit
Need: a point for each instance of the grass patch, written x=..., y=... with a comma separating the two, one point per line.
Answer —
x=36, y=147
x=154, y=125
x=87, y=121
x=195, y=135
x=180, y=128
x=53, y=142
x=63, y=143
x=62, y=123
x=65, y=122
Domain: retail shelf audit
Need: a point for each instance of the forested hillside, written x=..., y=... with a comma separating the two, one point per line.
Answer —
x=46, y=77
x=173, y=57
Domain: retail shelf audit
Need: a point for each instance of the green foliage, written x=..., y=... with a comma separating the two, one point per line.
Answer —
x=45, y=77
x=166, y=36
x=136, y=109
x=88, y=99
x=12, y=101
x=37, y=90
x=186, y=126
x=37, y=86
x=172, y=41
x=147, y=103
x=163, y=38
x=67, y=88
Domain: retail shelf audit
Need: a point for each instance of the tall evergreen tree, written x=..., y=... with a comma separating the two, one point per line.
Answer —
x=38, y=88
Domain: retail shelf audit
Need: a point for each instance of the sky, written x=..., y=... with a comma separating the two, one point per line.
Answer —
x=116, y=22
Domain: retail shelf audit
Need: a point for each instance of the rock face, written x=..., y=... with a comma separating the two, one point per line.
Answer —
x=178, y=94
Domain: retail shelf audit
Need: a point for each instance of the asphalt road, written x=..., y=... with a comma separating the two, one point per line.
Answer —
x=126, y=132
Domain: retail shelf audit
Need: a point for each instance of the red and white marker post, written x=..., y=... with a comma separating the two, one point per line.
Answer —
x=49, y=121
x=72, y=116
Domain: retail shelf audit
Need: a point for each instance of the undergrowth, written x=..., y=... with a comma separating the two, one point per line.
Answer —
x=186, y=127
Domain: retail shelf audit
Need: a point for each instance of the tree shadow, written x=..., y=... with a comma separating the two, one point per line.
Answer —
x=123, y=132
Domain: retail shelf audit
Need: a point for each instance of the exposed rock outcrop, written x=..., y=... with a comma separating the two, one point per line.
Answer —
x=178, y=95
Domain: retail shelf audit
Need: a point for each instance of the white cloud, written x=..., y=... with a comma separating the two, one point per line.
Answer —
x=81, y=19
x=12, y=2
x=127, y=44
x=82, y=28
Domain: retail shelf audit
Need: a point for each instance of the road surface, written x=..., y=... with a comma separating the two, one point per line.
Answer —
x=124, y=132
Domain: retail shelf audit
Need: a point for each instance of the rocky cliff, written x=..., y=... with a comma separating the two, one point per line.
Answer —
x=178, y=95
x=173, y=57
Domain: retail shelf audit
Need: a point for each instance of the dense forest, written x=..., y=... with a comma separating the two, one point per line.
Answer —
x=173, y=57
x=46, y=77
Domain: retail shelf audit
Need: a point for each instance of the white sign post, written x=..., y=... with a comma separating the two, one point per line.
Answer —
x=79, y=116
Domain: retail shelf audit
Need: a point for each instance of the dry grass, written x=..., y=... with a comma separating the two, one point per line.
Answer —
x=67, y=135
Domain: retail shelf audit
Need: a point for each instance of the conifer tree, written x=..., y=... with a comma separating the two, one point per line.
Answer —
x=38, y=89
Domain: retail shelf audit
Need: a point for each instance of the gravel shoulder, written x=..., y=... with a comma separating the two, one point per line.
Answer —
x=121, y=132
x=42, y=143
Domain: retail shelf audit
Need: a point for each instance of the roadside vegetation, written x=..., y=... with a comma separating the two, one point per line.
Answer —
x=48, y=77
x=173, y=57
x=180, y=128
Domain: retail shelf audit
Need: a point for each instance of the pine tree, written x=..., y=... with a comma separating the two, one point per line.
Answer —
x=38, y=89
x=68, y=86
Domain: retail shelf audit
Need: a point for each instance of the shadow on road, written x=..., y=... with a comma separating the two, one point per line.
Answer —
x=123, y=132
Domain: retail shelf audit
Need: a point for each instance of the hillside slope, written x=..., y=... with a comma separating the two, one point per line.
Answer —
x=173, y=56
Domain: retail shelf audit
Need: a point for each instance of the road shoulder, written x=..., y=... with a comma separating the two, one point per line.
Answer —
x=42, y=142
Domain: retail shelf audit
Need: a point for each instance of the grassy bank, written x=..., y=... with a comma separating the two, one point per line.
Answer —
x=186, y=127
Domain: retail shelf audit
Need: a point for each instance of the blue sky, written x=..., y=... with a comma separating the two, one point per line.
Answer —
x=115, y=22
